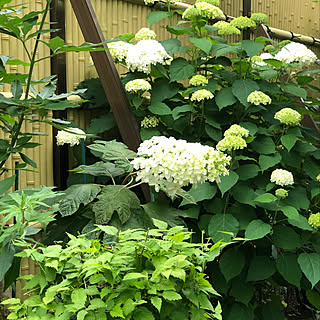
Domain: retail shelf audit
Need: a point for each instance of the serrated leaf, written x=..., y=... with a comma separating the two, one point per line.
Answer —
x=203, y=191
x=115, y=198
x=79, y=297
x=223, y=227
x=142, y=313
x=171, y=295
x=242, y=88
x=181, y=69
x=231, y=263
x=252, y=47
x=269, y=161
x=266, y=198
x=134, y=276
x=100, y=168
x=162, y=89
x=76, y=195
x=227, y=182
x=203, y=44
x=159, y=108
x=172, y=45
x=310, y=266
x=289, y=140
x=288, y=267
x=156, y=302
x=156, y=16
x=225, y=98
x=263, y=145
x=294, y=89
x=257, y=229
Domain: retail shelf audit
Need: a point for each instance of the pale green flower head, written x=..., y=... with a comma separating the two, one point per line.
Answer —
x=256, y=59
x=282, y=177
x=281, y=193
x=226, y=28
x=270, y=48
x=230, y=143
x=243, y=23
x=138, y=85
x=258, y=97
x=145, y=34
x=198, y=80
x=288, y=116
x=314, y=220
x=236, y=130
x=208, y=10
x=201, y=95
x=150, y=122
x=191, y=13
x=259, y=18
x=213, y=2
x=318, y=177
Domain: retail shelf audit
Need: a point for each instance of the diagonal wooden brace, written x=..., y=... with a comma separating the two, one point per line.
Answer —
x=108, y=74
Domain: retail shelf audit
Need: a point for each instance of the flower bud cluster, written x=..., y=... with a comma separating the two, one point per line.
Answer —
x=198, y=80
x=314, y=220
x=288, y=116
x=71, y=136
x=146, y=53
x=226, y=28
x=173, y=164
x=145, y=34
x=236, y=130
x=233, y=139
x=258, y=97
x=282, y=177
x=150, y=122
x=259, y=18
x=243, y=23
x=208, y=10
x=138, y=85
x=201, y=95
x=281, y=193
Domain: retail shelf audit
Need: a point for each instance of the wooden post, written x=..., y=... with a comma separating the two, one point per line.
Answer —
x=109, y=77
x=246, y=13
x=108, y=74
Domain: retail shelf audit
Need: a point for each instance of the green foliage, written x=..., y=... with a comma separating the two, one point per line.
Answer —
x=154, y=274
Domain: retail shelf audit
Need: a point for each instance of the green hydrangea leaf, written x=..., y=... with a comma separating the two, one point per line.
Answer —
x=257, y=229
x=310, y=266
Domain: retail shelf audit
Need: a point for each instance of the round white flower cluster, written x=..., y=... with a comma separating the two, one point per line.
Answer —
x=236, y=130
x=258, y=97
x=150, y=122
x=296, y=52
x=145, y=34
x=198, y=80
x=288, y=116
x=172, y=164
x=138, y=85
x=208, y=10
x=201, y=95
x=72, y=136
x=146, y=53
x=119, y=49
x=282, y=177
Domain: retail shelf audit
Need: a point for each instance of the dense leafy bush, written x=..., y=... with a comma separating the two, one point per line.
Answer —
x=135, y=274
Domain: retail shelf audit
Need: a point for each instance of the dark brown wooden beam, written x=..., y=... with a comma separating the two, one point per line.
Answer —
x=108, y=74
x=59, y=68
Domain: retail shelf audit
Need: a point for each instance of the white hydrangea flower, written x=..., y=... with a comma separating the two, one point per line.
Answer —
x=119, y=49
x=208, y=10
x=146, y=53
x=296, y=52
x=138, y=85
x=258, y=97
x=170, y=163
x=145, y=34
x=201, y=95
x=288, y=116
x=72, y=136
x=236, y=130
x=263, y=56
x=282, y=177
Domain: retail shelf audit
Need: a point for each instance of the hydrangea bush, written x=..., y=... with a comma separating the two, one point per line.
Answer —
x=236, y=99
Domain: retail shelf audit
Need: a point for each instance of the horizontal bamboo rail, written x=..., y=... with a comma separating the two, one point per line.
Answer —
x=273, y=32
